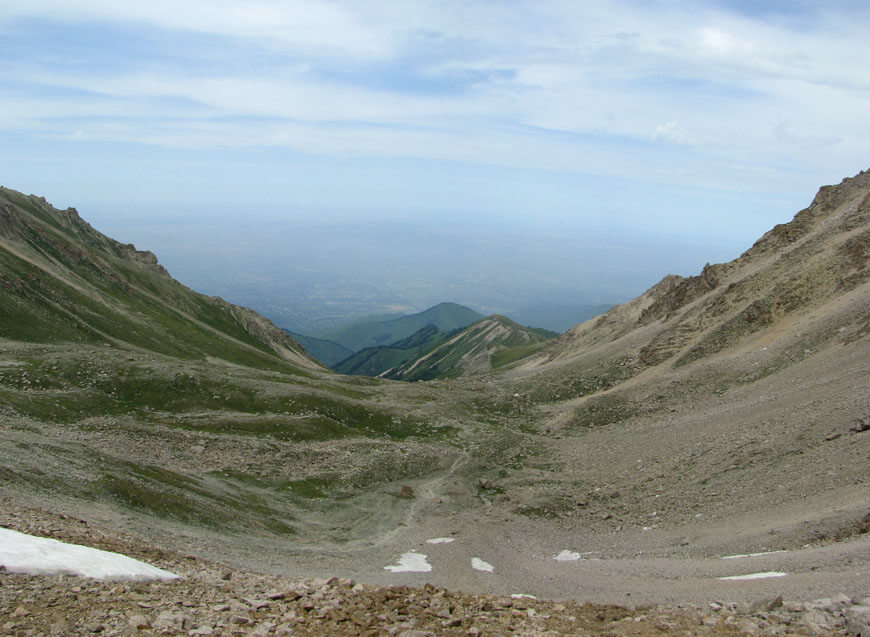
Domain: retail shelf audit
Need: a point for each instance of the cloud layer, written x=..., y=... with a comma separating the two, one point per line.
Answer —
x=692, y=94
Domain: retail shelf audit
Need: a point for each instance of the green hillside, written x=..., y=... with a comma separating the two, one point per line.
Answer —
x=327, y=352
x=492, y=342
x=62, y=281
x=373, y=361
x=363, y=333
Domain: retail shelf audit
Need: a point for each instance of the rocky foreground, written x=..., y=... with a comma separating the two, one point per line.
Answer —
x=214, y=600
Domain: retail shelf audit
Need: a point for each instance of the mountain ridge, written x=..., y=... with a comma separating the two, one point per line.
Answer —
x=472, y=350
x=360, y=334
x=52, y=256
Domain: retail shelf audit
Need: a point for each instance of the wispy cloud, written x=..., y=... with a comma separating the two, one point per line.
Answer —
x=535, y=83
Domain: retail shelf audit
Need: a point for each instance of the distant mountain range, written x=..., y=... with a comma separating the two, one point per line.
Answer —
x=456, y=344
x=374, y=331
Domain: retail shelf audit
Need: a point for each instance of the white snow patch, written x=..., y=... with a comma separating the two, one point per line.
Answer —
x=734, y=557
x=567, y=556
x=22, y=553
x=440, y=540
x=479, y=565
x=755, y=575
x=522, y=596
x=411, y=562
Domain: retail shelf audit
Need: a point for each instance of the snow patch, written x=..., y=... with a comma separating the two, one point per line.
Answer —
x=755, y=575
x=734, y=557
x=22, y=553
x=410, y=562
x=567, y=556
x=522, y=596
x=440, y=540
x=479, y=565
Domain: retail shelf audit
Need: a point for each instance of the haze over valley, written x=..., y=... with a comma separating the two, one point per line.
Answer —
x=306, y=274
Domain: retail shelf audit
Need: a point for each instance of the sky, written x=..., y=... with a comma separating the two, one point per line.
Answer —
x=687, y=122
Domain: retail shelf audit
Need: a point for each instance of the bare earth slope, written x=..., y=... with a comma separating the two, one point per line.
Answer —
x=722, y=414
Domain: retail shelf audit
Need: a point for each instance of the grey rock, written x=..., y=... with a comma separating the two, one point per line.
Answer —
x=816, y=619
x=765, y=604
x=139, y=622
x=169, y=622
x=858, y=621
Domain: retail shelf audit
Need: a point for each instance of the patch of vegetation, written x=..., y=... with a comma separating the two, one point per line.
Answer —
x=167, y=494
x=599, y=411
x=512, y=354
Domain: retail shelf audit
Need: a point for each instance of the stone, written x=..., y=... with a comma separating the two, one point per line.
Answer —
x=262, y=630
x=765, y=604
x=406, y=491
x=858, y=620
x=202, y=630
x=816, y=619
x=168, y=621
x=825, y=603
x=139, y=622
x=256, y=604
x=485, y=483
x=841, y=599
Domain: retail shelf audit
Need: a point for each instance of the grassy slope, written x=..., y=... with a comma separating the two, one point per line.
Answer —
x=64, y=281
x=491, y=342
x=327, y=352
x=373, y=361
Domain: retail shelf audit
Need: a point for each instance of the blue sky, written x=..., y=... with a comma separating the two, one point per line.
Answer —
x=708, y=121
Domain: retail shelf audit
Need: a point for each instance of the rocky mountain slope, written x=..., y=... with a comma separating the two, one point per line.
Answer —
x=820, y=255
x=485, y=345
